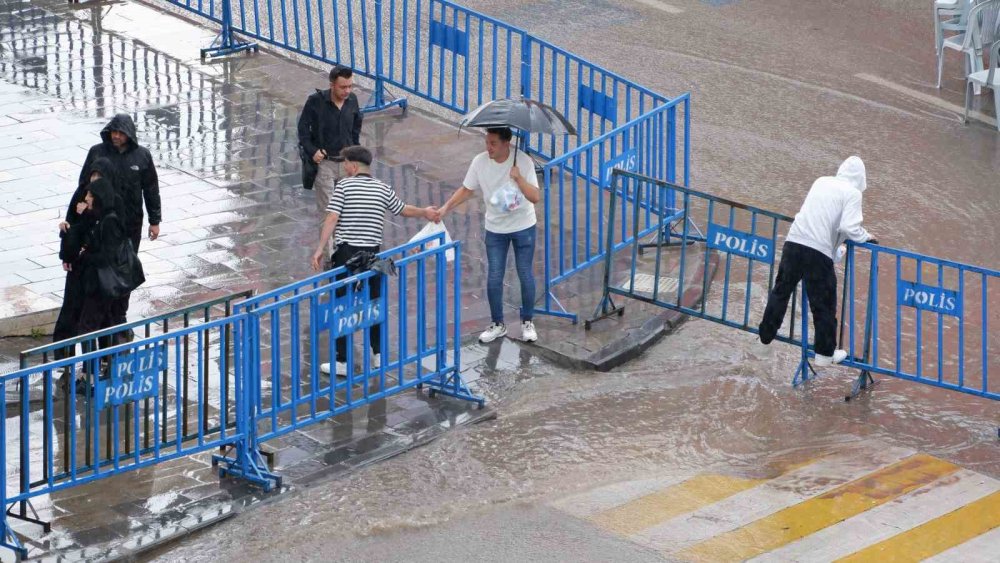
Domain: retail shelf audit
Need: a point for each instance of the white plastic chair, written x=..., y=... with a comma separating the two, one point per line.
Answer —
x=953, y=10
x=983, y=21
x=989, y=78
x=957, y=12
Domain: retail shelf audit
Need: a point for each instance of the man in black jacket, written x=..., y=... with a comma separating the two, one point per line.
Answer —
x=134, y=176
x=135, y=180
x=330, y=121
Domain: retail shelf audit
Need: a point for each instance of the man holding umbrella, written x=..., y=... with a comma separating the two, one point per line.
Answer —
x=510, y=191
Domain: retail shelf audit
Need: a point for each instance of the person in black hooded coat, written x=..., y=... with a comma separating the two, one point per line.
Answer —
x=69, y=250
x=134, y=178
x=99, y=233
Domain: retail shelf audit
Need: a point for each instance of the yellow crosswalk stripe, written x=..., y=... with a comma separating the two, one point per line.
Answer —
x=651, y=509
x=940, y=534
x=819, y=512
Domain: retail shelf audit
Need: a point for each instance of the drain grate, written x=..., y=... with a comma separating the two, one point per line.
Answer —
x=644, y=283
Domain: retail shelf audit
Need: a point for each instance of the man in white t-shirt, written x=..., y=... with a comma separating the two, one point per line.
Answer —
x=510, y=194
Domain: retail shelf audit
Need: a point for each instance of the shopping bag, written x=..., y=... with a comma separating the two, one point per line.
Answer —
x=507, y=198
x=431, y=229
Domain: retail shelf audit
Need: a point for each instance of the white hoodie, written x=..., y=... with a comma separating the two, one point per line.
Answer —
x=831, y=212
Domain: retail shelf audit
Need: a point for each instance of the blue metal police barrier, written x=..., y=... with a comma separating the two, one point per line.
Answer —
x=192, y=408
x=413, y=321
x=921, y=318
x=317, y=280
x=577, y=192
x=200, y=313
x=903, y=314
x=749, y=239
x=458, y=58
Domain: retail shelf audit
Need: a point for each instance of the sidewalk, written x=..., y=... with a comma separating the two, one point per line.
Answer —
x=234, y=218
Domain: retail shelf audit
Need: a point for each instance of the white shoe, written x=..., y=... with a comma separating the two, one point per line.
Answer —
x=838, y=356
x=375, y=361
x=341, y=368
x=493, y=332
x=528, y=332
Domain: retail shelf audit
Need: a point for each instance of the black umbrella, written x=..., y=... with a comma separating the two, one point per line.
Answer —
x=524, y=115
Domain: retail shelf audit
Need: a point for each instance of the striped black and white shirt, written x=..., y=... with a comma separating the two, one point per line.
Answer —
x=361, y=202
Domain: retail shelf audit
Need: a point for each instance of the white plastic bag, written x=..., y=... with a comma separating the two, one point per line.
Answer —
x=431, y=229
x=507, y=198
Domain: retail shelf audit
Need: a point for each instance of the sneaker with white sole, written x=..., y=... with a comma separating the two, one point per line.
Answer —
x=495, y=330
x=341, y=368
x=838, y=356
x=528, y=332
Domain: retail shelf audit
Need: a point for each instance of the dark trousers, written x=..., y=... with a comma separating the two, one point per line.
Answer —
x=97, y=313
x=341, y=255
x=67, y=324
x=815, y=269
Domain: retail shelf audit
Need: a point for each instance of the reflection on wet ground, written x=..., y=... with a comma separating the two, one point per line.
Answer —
x=707, y=398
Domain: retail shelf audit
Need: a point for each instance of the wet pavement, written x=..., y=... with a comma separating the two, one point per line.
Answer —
x=782, y=91
x=234, y=218
x=770, y=115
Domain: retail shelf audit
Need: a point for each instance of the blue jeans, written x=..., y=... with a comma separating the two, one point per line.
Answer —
x=496, y=256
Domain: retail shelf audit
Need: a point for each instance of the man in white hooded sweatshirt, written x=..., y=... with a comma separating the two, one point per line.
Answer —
x=830, y=214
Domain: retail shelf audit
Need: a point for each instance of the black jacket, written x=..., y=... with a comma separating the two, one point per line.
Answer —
x=134, y=175
x=323, y=126
x=99, y=233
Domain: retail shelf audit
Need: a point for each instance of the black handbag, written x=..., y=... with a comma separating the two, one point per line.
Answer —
x=123, y=274
x=309, y=169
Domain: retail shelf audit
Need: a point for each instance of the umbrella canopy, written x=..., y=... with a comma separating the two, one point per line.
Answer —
x=524, y=114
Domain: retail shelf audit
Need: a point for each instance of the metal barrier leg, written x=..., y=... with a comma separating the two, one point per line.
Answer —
x=9, y=539
x=227, y=43
x=452, y=385
x=607, y=306
x=378, y=101
x=865, y=380
x=805, y=368
x=561, y=312
x=247, y=464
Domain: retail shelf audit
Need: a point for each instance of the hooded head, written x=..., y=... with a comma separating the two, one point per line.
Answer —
x=853, y=171
x=123, y=123
x=103, y=167
x=104, y=196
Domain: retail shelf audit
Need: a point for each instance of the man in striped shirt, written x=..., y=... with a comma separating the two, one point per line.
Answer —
x=355, y=218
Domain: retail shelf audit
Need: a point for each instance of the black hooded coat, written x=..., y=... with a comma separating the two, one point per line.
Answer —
x=90, y=242
x=133, y=175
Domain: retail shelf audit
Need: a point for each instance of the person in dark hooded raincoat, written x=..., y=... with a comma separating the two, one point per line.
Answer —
x=89, y=243
x=134, y=179
x=69, y=251
x=134, y=175
x=100, y=232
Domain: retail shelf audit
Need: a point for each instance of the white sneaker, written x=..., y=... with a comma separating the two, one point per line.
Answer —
x=341, y=368
x=493, y=332
x=375, y=361
x=528, y=332
x=838, y=356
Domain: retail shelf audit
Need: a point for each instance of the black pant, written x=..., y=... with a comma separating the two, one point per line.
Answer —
x=800, y=262
x=67, y=324
x=341, y=255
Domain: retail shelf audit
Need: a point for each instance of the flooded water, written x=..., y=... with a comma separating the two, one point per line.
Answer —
x=682, y=408
x=770, y=118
